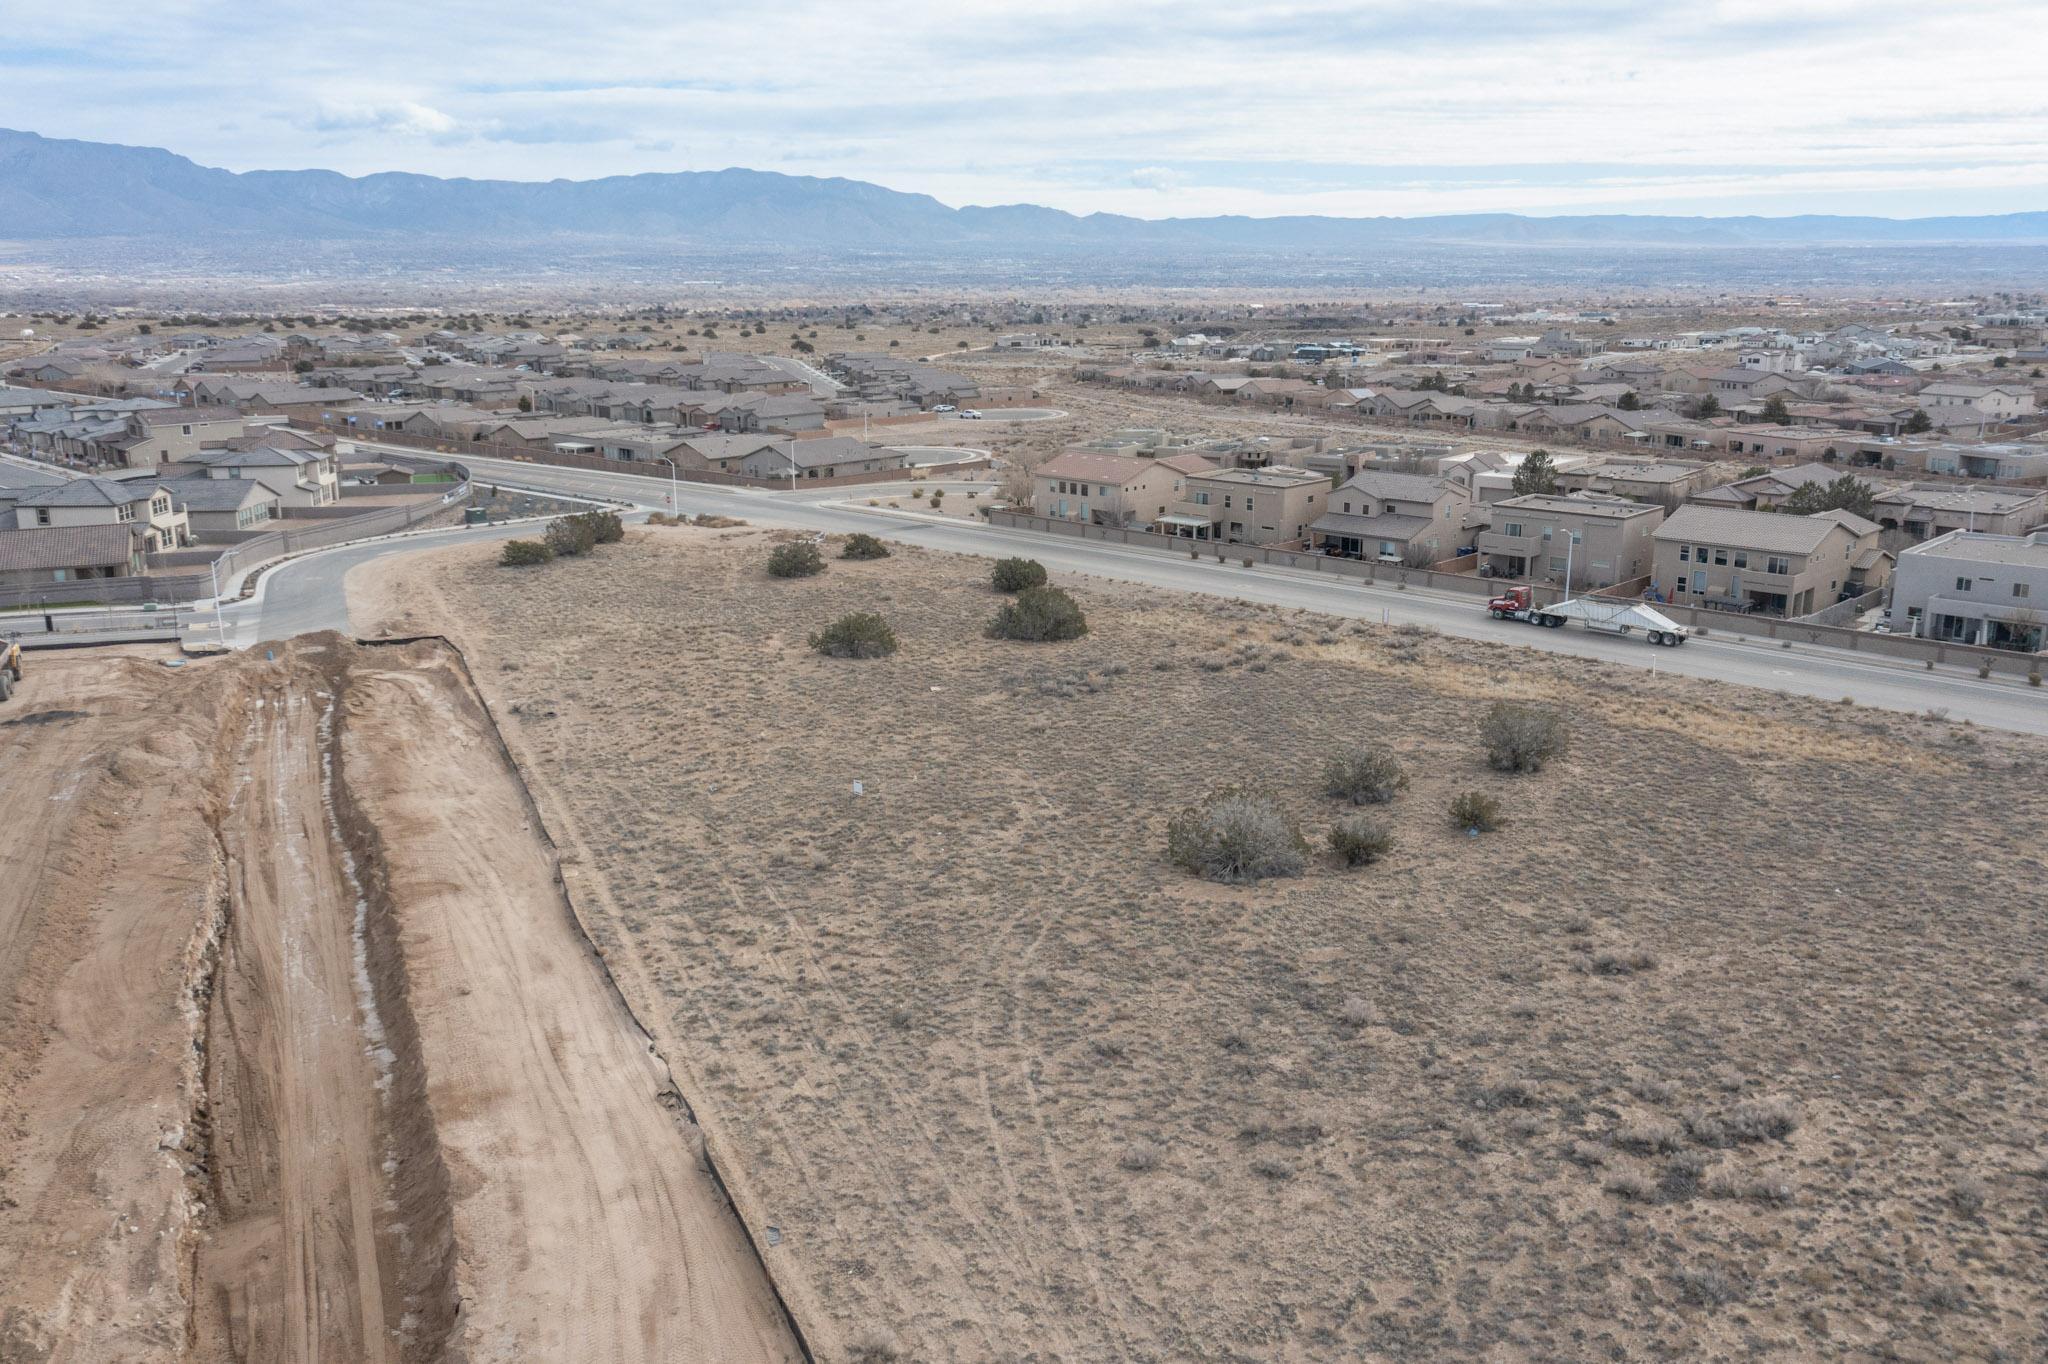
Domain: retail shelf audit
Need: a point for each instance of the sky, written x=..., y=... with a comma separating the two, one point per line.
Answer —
x=1144, y=107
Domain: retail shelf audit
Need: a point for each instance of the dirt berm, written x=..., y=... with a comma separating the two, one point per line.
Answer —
x=306, y=1055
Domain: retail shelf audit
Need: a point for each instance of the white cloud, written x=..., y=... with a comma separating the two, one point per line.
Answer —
x=1152, y=107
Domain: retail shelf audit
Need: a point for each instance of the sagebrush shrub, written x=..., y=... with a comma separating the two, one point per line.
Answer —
x=1364, y=774
x=862, y=634
x=1359, y=841
x=1014, y=575
x=797, y=559
x=1236, y=836
x=524, y=553
x=569, y=536
x=861, y=545
x=1475, y=810
x=1521, y=738
x=1041, y=614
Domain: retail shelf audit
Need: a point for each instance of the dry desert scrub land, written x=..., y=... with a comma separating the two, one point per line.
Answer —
x=1727, y=1044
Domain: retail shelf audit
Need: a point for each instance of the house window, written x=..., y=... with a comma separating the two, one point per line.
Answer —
x=42, y=516
x=1963, y=584
x=1685, y=554
x=1720, y=558
x=1742, y=558
x=1513, y=530
x=2019, y=589
x=1777, y=564
x=1226, y=500
x=1247, y=501
x=1699, y=553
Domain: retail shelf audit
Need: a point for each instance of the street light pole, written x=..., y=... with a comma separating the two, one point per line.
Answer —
x=675, y=508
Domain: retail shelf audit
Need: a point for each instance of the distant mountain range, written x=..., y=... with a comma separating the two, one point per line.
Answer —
x=52, y=188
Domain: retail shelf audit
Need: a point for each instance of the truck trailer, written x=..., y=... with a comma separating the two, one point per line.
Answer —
x=1610, y=615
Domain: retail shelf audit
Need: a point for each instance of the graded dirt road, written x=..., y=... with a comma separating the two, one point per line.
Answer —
x=306, y=1057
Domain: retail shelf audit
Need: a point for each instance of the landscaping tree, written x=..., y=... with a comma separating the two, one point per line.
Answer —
x=1014, y=575
x=863, y=634
x=1844, y=493
x=1776, y=411
x=1629, y=402
x=524, y=553
x=797, y=559
x=569, y=536
x=1236, y=836
x=1039, y=614
x=1520, y=737
x=1919, y=422
x=861, y=545
x=1359, y=840
x=1706, y=405
x=525, y=403
x=1536, y=474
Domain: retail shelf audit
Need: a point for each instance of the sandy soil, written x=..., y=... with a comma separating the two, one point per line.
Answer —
x=355, y=1085
x=1009, y=1086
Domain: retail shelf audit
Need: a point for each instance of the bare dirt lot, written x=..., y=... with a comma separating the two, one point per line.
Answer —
x=306, y=1057
x=1727, y=1044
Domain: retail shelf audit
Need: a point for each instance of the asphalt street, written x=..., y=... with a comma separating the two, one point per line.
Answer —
x=307, y=595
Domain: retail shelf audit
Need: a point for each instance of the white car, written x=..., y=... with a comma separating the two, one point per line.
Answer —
x=971, y=415
x=943, y=407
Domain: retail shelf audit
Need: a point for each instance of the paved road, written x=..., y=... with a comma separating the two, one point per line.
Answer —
x=311, y=592
x=822, y=384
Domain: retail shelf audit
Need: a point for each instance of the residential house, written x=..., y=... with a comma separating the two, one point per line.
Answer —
x=1598, y=540
x=1765, y=562
x=224, y=508
x=1268, y=506
x=141, y=503
x=1999, y=402
x=1667, y=484
x=300, y=478
x=163, y=435
x=1407, y=518
x=1974, y=588
x=824, y=457
x=1111, y=490
x=1768, y=491
x=63, y=554
x=1922, y=511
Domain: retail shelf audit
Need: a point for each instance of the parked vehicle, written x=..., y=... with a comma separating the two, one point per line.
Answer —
x=971, y=415
x=942, y=407
x=1609, y=615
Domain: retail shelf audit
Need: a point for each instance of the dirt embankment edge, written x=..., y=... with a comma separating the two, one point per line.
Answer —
x=672, y=1095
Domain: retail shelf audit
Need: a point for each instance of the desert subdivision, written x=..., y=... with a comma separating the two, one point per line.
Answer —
x=595, y=972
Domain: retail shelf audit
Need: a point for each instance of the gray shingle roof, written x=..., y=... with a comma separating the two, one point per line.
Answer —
x=1771, y=531
x=43, y=548
x=89, y=492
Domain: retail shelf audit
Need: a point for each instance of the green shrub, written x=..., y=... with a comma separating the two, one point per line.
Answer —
x=861, y=545
x=797, y=559
x=1236, y=836
x=1477, y=811
x=604, y=526
x=524, y=553
x=569, y=536
x=1359, y=840
x=1521, y=738
x=863, y=634
x=1014, y=575
x=1039, y=613
x=1364, y=774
